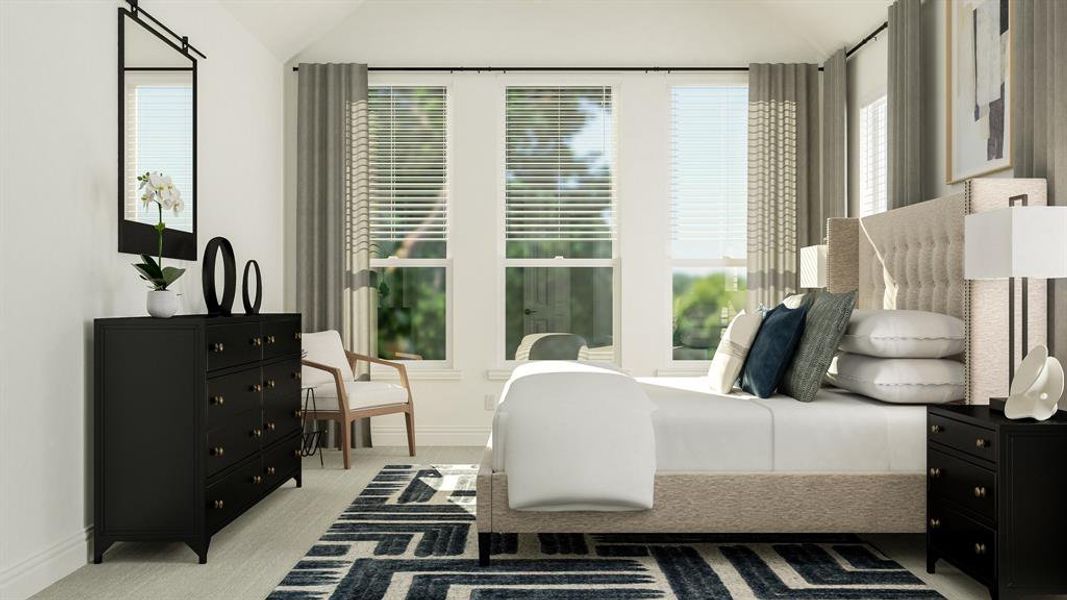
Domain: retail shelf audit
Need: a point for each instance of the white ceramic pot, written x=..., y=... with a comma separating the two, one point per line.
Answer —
x=162, y=304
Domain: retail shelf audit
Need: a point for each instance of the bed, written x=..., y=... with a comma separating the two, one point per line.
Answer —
x=844, y=463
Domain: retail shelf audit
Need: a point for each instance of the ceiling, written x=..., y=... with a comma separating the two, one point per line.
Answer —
x=286, y=27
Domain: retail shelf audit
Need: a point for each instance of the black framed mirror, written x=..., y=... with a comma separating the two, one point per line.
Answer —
x=157, y=134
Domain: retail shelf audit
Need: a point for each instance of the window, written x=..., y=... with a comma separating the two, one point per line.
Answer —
x=559, y=222
x=709, y=196
x=159, y=106
x=873, y=194
x=409, y=220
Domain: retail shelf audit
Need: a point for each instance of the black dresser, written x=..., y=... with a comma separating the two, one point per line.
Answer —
x=196, y=419
x=996, y=503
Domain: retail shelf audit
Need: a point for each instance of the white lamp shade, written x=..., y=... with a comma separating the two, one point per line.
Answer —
x=1021, y=241
x=813, y=266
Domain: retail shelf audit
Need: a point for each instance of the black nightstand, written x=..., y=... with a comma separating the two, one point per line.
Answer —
x=996, y=500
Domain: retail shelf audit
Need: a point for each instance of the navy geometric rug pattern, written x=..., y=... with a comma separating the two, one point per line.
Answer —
x=411, y=534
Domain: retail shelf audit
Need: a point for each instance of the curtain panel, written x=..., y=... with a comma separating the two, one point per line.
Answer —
x=334, y=281
x=904, y=104
x=834, y=140
x=784, y=202
x=1039, y=121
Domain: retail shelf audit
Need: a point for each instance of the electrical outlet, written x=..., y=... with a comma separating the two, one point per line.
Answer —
x=490, y=402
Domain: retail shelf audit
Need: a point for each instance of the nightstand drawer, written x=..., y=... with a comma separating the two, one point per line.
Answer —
x=972, y=440
x=970, y=486
x=961, y=539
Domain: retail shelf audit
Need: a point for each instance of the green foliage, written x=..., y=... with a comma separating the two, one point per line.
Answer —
x=412, y=312
x=703, y=307
x=158, y=278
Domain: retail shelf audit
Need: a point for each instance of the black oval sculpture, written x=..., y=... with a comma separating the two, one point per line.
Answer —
x=214, y=305
x=252, y=308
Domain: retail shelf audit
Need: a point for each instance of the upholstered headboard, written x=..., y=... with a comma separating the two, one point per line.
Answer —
x=911, y=258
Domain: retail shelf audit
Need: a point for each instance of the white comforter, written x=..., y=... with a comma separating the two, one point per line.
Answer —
x=573, y=436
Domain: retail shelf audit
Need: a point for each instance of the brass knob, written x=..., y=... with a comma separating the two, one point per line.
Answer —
x=218, y=400
x=270, y=470
x=218, y=451
x=298, y=413
x=981, y=443
x=979, y=492
x=296, y=453
x=296, y=336
x=257, y=479
x=979, y=548
x=218, y=504
x=257, y=433
x=270, y=339
x=270, y=426
x=256, y=341
x=217, y=347
x=256, y=387
x=295, y=375
x=935, y=523
x=935, y=472
x=936, y=429
x=271, y=383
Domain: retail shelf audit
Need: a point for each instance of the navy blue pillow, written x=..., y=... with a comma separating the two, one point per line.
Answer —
x=772, y=351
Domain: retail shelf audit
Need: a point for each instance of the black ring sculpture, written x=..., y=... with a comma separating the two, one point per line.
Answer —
x=214, y=306
x=252, y=308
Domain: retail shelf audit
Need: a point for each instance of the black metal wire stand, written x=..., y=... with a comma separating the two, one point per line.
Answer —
x=312, y=438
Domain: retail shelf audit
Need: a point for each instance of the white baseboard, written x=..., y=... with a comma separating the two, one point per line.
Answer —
x=33, y=574
x=431, y=436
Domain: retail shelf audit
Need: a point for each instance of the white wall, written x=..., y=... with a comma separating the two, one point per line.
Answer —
x=451, y=406
x=59, y=267
x=867, y=80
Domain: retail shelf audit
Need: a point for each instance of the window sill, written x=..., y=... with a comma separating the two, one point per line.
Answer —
x=417, y=374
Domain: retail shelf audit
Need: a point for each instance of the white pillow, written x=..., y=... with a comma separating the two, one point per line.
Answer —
x=903, y=334
x=900, y=380
x=733, y=348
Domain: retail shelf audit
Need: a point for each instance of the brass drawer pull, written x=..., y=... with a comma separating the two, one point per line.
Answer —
x=296, y=335
x=935, y=523
x=218, y=451
x=271, y=339
x=270, y=426
x=936, y=429
x=295, y=375
x=256, y=387
x=217, y=347
x=218, y=504
x=979, y=548
x=981, y=443
x=257, y=479
x=296, y=453
x=979, y=492
x=271, y=383
x=256, y=341
x=298, y=413
x=219, y=400
x=270, y=471
x=935, y=472
x=257, y=433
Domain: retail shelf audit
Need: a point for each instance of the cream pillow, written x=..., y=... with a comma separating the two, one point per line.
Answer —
x=733, y=348
x=903, y=334
x=900, y=380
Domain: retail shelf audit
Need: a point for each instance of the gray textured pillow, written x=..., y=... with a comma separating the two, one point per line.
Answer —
x=826, y=323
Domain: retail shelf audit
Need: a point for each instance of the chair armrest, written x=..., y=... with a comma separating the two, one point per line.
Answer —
x=338, y=380
x=353, y=358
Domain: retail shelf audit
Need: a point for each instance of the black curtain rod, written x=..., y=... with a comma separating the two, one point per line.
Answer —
x=558, y=69
x=864, y=41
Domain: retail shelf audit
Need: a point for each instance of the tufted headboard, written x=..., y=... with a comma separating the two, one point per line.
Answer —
x=911, y=258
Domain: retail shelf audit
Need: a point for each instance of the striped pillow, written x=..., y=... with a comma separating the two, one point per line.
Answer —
x=733, y=348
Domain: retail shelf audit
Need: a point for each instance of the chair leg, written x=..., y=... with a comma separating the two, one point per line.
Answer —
x=346, y=443
x=409, y=420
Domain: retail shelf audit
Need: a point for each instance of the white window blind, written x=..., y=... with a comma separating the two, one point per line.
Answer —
x=873, y=142
x=709, y=172
x=159, y=138
x=559, y=162
x=408, y=167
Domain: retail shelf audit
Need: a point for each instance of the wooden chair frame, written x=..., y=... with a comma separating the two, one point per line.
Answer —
x=345, y=416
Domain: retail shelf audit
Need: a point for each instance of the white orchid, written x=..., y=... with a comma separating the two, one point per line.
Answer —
x=159, y=188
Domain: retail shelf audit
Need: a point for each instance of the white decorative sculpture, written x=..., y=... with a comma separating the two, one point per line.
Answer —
x=1037, y=387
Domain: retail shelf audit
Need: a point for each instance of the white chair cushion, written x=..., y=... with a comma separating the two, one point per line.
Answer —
x=361, y=394
x=324, y=347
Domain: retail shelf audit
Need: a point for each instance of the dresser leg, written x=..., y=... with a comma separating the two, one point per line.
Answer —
x=200, y=549
x=931, y=561
x=299, y=480
x=100, y=546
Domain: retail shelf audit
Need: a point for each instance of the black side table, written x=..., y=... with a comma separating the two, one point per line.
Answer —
x=312, y=438
x=996, y=491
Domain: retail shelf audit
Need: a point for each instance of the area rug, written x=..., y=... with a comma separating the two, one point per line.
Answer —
x=411, y=534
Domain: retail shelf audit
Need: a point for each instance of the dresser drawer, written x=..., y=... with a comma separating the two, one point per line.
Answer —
x=228, y=497
x=231, y=394
x=279, y=421
x=281, y=383
x=968, y=485
x=233, y=344
x=283, y=460
x=281, y=338
x=234, y=441
x=966, y=438
x=961, y=539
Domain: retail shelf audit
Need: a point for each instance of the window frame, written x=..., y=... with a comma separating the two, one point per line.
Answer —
x=686, y=366
x=882, y=100
x=503, y=262
x=426, y=366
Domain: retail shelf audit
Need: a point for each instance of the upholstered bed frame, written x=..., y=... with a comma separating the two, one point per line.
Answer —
x=909, y=258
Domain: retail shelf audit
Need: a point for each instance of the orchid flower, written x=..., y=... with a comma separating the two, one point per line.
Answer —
x=159, y=188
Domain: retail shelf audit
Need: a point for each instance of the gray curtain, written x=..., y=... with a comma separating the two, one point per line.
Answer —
x=904, y=103
x=784, y=204
x=334, y=283
x=1039, y=121
x=834, y=140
